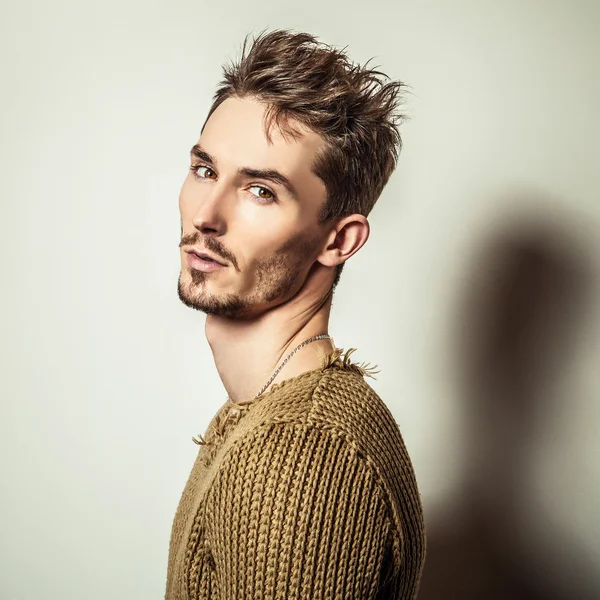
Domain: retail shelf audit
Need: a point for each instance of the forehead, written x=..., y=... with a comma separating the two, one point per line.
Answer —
x=235, y=135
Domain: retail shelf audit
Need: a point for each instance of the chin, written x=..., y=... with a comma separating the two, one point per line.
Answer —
x=218, y=305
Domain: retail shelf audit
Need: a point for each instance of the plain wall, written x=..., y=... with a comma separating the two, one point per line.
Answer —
x=106, y=376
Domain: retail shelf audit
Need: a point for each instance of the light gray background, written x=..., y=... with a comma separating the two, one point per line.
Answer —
x=106, y=376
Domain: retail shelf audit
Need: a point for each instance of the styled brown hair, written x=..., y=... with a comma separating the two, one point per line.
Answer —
x=354, y=108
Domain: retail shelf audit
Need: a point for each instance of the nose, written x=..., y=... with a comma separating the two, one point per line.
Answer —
x=209, y=208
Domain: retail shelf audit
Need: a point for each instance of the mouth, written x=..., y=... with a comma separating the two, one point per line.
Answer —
x=205, y=257
x=200, y=261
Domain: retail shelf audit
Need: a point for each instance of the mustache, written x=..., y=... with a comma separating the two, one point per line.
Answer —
x=210, y=243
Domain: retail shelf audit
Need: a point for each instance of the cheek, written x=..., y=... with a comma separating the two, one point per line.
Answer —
x=257, y=245
x=261, y=230
x=289, y=247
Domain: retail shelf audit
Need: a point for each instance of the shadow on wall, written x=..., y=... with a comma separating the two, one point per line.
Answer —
x=519, y=319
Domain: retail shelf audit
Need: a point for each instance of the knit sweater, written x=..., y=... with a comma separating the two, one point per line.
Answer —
x=306, y=492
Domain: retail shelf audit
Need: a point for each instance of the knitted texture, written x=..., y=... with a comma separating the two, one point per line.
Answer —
x=306, y=492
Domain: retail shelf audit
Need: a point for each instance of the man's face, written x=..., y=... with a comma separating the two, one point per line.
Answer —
x=252, y=205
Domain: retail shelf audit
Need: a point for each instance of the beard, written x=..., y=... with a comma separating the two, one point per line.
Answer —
x=278, y=277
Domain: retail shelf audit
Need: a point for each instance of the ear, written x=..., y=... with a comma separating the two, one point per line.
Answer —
x=346, y=237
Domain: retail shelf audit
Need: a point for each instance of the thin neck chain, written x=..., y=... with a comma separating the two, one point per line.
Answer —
x=323, y=336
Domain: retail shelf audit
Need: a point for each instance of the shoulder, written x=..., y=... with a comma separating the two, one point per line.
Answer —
x=335, y=399
x=344, y=402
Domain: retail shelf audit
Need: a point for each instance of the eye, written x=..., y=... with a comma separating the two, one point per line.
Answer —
x=263, y=192
x=202, y=172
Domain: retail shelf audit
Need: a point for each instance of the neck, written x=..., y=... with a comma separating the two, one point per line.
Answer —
x=247, y=352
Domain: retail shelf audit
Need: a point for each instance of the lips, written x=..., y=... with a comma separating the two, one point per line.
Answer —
x=203, y=265
x=205, y=256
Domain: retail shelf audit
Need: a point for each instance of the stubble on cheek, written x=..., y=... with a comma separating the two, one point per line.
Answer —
x=277, y=274
x=274, y=277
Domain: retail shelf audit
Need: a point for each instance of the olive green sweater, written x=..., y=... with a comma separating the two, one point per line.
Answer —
x=306, y=492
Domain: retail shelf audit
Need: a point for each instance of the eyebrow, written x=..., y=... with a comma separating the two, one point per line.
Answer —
x=268, y=174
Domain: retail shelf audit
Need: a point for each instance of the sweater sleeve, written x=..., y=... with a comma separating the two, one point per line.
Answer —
x=297, y=513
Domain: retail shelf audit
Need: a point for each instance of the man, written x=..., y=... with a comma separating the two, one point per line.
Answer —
x=302, y=487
